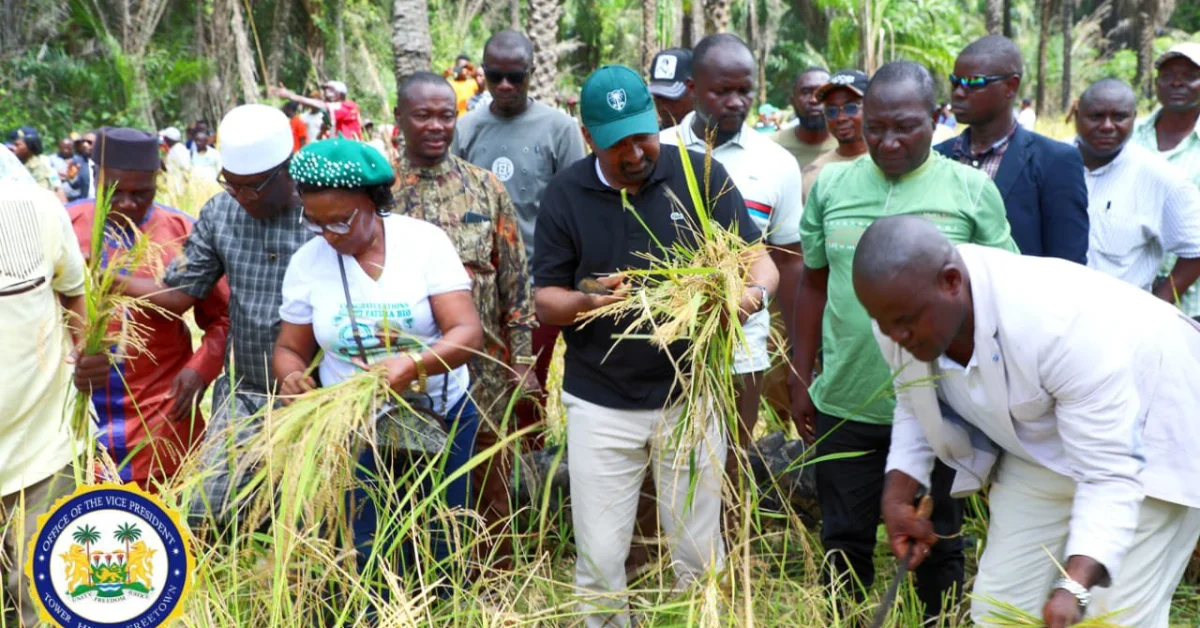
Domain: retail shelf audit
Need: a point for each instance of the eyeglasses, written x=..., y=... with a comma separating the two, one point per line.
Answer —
x=976, y=82
x=336, y=228
x=247, y=192
x=851, y=109
x=497, y=77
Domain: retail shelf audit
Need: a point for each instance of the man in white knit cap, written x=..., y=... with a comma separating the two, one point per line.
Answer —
x=247, y=235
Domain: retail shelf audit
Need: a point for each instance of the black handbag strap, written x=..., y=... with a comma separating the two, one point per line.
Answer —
x=350, y=310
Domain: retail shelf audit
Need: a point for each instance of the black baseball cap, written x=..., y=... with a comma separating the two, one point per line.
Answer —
x=852, y=80
x=669, y=73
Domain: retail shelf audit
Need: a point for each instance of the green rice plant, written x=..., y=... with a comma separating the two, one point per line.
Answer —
x=1009, y=616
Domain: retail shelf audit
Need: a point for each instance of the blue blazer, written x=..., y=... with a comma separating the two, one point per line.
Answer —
x=1041, y=182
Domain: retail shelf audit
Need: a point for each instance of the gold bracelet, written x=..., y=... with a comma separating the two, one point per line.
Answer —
x=525, y=360
x=418, y=385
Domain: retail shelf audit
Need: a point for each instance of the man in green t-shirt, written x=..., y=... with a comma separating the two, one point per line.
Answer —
x=849, y=405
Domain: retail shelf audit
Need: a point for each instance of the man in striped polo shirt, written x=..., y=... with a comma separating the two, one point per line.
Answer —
x=1139, y=205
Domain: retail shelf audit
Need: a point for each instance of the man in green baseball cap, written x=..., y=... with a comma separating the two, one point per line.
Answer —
x=621, y=398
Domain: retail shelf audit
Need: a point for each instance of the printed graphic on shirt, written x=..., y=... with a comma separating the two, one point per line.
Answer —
x=758, y=210
x=503, y=168
x=384, y=329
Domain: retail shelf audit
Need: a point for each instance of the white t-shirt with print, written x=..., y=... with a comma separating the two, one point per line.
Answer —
x=392, y=313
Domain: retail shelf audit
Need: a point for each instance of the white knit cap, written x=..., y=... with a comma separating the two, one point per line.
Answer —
x=254, y=139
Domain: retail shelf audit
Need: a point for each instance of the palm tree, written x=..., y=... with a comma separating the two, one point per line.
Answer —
x=1047, y=14
x=87, y=535
x=995, y=17
x=1068, y=29
x=649, y=32
x=412, y=47
x=127, y=533
x=716, y=15
x=543, y=32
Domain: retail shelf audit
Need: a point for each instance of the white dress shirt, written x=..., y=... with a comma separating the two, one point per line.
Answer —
x=1140, y=207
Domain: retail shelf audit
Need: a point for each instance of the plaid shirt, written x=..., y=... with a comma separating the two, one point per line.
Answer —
x=989, y=160
x=473, y=208
x=1187, y=156
x=253, y=255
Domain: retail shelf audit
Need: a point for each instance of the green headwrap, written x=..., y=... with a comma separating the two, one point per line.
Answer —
x=341, y=163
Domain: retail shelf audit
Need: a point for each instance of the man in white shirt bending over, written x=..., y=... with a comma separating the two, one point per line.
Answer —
x=1073, y=393
x=723, y=86
x=1140, y=206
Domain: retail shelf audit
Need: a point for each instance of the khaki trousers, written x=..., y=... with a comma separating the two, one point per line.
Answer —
x=609, y=451
x=16, y=529
x=1031, y=507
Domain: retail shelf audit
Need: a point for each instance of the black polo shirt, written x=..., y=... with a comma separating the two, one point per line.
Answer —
x=583, y=231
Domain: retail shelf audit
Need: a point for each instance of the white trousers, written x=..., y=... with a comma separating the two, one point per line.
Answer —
x=609, y=451
x=1030, y=509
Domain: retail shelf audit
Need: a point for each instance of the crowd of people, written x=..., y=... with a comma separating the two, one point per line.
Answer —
x=1031, y=300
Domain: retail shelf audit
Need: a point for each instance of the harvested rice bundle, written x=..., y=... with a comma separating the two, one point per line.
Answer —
x=1009, y=616
x=304, y=458
x=118, y=248
x=692, y=293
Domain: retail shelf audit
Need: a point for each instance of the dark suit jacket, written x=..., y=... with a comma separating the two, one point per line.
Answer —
x=1041, y=182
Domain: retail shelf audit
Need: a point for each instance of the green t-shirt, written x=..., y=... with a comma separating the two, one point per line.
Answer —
x=963, y=203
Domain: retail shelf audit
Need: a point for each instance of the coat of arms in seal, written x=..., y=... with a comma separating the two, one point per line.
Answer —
x=110, y=555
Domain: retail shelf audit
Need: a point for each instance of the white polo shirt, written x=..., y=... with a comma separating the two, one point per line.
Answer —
x=1140, y=207
x=769, y=179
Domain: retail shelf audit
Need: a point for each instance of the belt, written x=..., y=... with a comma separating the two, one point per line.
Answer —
x=22, y=287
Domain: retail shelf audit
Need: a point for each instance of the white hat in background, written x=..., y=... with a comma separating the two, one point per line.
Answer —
x=171, y=133
x=337, y=86
x=1187, y=50
x=254, y=139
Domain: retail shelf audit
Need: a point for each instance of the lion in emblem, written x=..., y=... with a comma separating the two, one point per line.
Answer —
x=78, y=568
x=139, y=567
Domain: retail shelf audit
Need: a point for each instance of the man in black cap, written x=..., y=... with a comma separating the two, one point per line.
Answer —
x=146, y=401
x=669, y=74
x=841, y=102
x=808, y=138
x=26, y=144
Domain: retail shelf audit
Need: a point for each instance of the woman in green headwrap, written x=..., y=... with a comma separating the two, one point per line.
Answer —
x=378, y=290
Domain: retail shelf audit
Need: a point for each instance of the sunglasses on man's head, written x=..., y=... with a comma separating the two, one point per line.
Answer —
x=851, y=109
x=976, y=82
x=497, y=77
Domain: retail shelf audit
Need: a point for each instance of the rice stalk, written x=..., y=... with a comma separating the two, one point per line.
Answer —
x=556, y=412
x=1006, y=615
x=690, y=292
x=117, y=248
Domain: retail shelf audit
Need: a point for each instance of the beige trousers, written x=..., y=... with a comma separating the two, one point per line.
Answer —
x=608, y=453
x=16, y=529
x=1031, y=508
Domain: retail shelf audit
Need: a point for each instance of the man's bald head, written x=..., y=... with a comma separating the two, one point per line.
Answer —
x=1109, y=90
x=900, y=246
x=913, y=283
x=508, y=44
x=903, y=73
x=720, y=45
x=1001, y=53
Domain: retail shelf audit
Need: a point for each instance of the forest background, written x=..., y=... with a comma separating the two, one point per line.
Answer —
x=74, y=65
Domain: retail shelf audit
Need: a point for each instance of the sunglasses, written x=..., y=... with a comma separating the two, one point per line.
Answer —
x=851, y=109
x=976, y=82
x=247, y=192
x=336, y=228
x=497, y=77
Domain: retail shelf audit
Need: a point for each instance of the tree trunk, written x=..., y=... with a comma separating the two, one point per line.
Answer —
x=1047, y=15
x=768, y=32
x=514, y=15
x=1008, y=29
x=339, y=38
x=1147, y=17
x=695, y=23
x=649, y=32
x=412, y=47
x=754, y=40
x=279, y=31
x=543, y=31
x=716, y=15
x=866, y=36
x=1068, y=28
x=995, y=16
x=245, y=57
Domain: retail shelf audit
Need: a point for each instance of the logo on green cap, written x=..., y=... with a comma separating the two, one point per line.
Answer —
x=616, y=99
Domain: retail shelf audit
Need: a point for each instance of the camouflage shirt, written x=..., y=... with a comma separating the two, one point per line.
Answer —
x=472, y=207
x=43, y=173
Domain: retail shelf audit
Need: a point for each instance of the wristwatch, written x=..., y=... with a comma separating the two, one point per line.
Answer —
x=766, y=295
x=418, y=384
x=525, y=360
x=1074, y=588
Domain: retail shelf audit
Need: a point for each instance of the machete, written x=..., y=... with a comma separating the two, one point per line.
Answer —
x=924, y=510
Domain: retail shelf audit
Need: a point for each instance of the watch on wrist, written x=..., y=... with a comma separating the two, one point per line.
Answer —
x=418, y=385
x=525, y=360
x=1074, y=588
x=766, y=296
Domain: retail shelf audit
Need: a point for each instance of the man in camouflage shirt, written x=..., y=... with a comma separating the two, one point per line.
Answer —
x=473, y=208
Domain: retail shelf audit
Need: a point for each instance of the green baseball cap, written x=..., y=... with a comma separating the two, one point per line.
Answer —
x=614, y=104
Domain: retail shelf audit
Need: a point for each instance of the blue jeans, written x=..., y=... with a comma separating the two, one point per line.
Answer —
x=364, y=512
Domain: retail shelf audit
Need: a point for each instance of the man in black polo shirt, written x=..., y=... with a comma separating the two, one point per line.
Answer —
x=619, y=400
